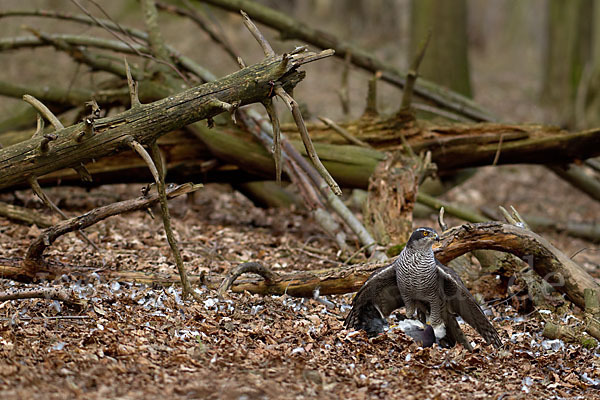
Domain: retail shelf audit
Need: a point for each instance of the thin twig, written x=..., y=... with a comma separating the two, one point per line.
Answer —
x=308, y=145
x=120, y=28
x=141, y=151
x=497, y=156
x=199, y=20
x=276, y=149
x=155, y=164
x=106, y=27
x=509, y=218
x=45, y=111
x=357, y=252
x=413, y=74
x=133, y=86
x=37, y=189
x=441, y=222
x=519, y=219
x=264, y=44
x=39, y=130
x=344, y=133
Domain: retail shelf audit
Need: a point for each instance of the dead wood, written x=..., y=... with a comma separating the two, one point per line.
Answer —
x=33, y=260
x=550, y=263
x=465, y=145
x=579, y=178
x=22, y=214
x=546, y=260
x=454, y=146
x=574, y=333
x=390, y=201
x=245, y=268
x=58, y=294
x=148, y=122
x=555, y=267
x=289, y=28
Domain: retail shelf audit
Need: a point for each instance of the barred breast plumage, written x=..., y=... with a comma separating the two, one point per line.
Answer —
x=421, y=284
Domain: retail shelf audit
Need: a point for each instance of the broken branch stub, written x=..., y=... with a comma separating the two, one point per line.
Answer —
x=149, y=121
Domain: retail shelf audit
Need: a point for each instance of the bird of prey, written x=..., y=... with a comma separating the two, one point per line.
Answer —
x=417, y=281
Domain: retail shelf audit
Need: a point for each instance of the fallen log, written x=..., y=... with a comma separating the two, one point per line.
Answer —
x=242, y=158
x=555, y=267
x=78, y=144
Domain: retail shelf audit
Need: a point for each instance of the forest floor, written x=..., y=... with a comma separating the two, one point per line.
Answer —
x=133, y=341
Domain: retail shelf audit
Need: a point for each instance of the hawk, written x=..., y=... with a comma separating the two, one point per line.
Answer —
x=417, y=281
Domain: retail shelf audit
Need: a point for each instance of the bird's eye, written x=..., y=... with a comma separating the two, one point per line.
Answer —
x=425, y=233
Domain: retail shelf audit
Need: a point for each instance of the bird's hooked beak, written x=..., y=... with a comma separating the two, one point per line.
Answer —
x=437, y=237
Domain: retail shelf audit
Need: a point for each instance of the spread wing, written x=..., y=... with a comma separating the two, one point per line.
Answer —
x=461, y=302
x=375, y=301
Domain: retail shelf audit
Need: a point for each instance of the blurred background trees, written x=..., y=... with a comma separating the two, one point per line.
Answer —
x=534, y=61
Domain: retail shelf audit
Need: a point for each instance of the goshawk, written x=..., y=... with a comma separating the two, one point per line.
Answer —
x=419, y=282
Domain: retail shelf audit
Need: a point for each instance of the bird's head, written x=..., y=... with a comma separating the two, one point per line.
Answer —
x=422, y=239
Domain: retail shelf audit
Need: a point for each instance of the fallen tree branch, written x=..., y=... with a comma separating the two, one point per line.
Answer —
x=59, y=294
x=245, y=268
x=48, y=236
x=550, y=263
x=25, y=215
x=547, y=261
x=554, y=266
x=289, y=28
x=143, y=124
x=576, y=176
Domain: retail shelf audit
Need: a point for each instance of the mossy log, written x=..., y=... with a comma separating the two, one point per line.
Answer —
x=78, y=144
x=242, y=158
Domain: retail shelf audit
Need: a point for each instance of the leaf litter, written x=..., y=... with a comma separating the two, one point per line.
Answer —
x=131, y=340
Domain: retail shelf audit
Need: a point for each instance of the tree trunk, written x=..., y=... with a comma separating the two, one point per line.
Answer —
x=590, y=86
x=566, y=51
x=446, y=60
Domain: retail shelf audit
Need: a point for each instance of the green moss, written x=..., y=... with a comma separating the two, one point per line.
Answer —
x=394, y=250
x=588, y=342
